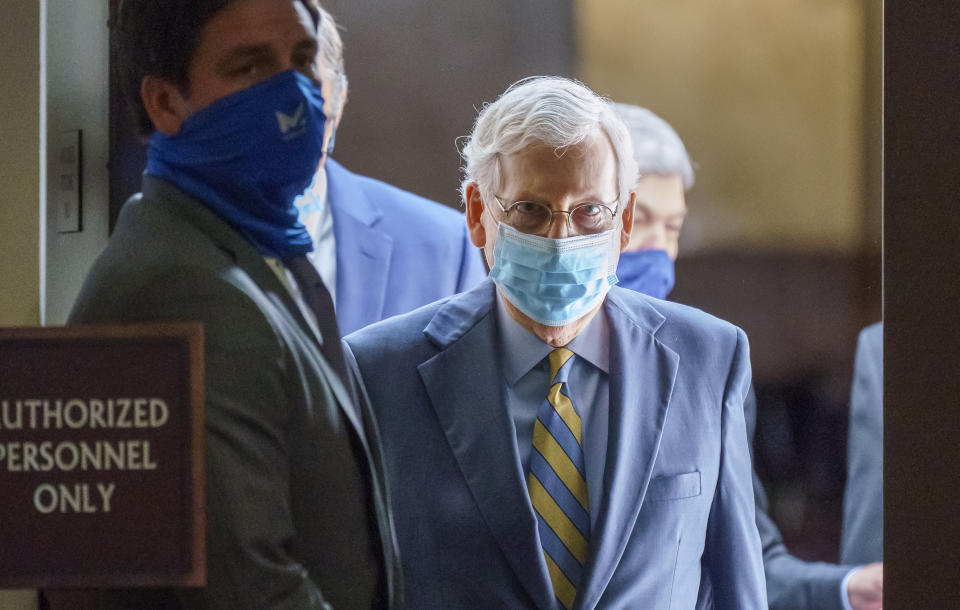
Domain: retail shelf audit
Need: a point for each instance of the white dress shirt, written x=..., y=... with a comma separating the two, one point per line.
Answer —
x=316, y=216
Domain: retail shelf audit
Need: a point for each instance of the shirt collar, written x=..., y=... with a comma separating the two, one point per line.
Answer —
x=319, y=186
x=523, y=350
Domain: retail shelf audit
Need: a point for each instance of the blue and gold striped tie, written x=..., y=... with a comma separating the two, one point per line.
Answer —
x=557, y=483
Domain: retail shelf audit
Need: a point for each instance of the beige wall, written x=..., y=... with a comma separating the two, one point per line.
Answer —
x=77, y=90
x=77, y=98
x=19, y=185
x=767, y=95
x=18, y=600
x=19, y=164
x=76, y=86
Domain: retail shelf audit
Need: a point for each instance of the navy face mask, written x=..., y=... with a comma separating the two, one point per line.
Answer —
x=247, y=156
x=646, y=271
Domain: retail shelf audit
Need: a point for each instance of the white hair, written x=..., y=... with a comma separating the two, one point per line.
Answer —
x=548, y=110
x=656, y=146
x=330, y=59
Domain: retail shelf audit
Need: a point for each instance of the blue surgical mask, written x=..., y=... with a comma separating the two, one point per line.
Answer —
x=554, y=281
x=646, y=271
x=247, y=156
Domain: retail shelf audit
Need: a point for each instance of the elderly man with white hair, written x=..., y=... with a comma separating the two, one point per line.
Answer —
x=664, y=173
x=552, y=440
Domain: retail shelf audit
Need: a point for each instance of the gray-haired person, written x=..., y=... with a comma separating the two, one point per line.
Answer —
x=555, y=441
x=664, y=173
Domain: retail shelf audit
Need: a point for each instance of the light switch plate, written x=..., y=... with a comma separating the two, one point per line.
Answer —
x=66, y=187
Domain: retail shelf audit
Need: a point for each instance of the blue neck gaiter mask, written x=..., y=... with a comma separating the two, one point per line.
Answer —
x=247, y=156
x=646, y=271
x=554, y=281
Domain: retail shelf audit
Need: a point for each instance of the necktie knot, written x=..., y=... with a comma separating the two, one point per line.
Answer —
x=560, y=365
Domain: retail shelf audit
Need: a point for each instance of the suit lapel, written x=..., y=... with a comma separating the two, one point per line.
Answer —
x=267, y=281
x=247, y=258
x=472, y=411
x=642, y=374
x=363, y=251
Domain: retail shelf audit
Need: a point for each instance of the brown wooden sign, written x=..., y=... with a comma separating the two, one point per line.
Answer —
x=101, y=456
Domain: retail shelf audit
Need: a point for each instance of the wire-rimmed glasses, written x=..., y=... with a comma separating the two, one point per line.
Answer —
x=535, y=217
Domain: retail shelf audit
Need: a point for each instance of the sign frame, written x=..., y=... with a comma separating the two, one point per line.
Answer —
x=189, y=337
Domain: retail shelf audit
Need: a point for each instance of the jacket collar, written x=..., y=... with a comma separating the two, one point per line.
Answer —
x=460, y=313
x=364, y=250
x=353, y=202
x=165, y=195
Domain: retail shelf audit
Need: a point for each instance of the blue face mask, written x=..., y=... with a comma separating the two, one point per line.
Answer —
x=554, y=281
x=248, y=156
x=646, y=271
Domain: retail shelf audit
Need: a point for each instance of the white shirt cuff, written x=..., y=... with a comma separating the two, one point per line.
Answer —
x=844, y=596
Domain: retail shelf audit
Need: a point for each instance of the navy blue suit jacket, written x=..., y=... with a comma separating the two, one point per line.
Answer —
x=792, y=583
x=677, y=501
x=396, y=251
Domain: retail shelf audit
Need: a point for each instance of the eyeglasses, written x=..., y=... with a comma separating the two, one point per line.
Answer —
x=535, y=217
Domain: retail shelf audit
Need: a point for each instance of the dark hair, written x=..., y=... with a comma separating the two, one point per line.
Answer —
x=159, y=38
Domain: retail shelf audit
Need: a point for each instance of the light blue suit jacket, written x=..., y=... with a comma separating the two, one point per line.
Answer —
x=677, y=498
x=863, y=499
x=396, y=251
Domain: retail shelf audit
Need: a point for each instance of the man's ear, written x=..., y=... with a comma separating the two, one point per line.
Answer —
x=165, y=104
x=474, y=205
x=343, y=104
x=626, y=227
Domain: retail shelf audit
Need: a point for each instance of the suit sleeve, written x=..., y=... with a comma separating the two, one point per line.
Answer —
x=248, y=502
x=792, y=584
x=862, y=540
x=472, y=266
x=733, y=557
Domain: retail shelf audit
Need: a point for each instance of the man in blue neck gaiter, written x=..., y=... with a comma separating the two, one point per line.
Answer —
x=295, y=504
x=664, y=173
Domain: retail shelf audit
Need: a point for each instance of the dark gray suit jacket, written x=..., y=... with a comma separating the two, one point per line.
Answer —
x=297, y=511
x=792, y=584
x=863, y=500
